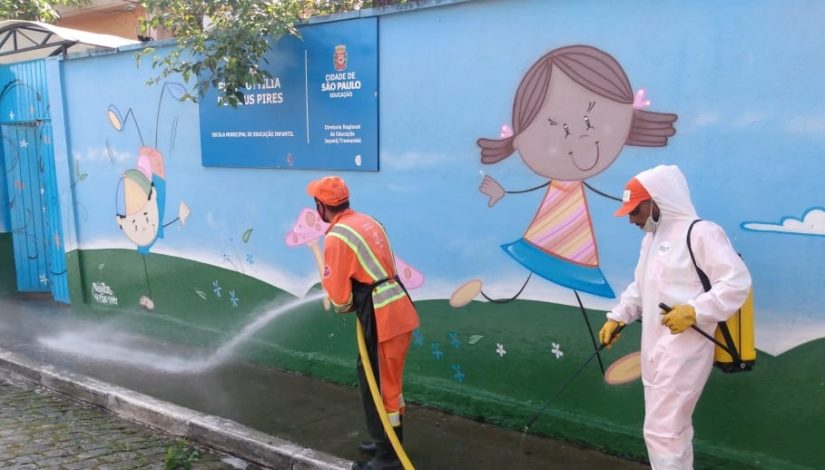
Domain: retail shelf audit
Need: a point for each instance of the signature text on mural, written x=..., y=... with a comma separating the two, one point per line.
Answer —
x=103, y=294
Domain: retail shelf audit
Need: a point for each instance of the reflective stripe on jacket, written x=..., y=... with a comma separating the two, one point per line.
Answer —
x=356, y=248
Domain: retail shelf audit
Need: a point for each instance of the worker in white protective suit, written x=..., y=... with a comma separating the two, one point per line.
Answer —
x=676, y=360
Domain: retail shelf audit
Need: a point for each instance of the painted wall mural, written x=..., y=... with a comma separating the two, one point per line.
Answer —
x=557, y=106
x=749, y=138
x=141, y=192
x=573, y=112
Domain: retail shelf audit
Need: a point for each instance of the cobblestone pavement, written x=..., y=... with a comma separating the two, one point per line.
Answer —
x=40, y=428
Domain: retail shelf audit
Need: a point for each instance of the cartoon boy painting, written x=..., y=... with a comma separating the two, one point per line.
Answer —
x=141, y=206
x=573, y=112
x=144, y=197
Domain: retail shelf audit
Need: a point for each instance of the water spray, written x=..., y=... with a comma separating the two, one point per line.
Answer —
x=226, y=349
x=84, y=344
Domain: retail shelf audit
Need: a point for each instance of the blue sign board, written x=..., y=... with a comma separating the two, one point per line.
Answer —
x=318, y=111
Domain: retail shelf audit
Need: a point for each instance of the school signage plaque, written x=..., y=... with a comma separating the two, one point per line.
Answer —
x=318, y=111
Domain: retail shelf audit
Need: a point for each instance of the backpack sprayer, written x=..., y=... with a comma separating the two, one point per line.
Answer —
x=738, y=354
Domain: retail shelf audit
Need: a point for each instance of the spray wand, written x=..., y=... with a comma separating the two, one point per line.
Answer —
x=570, y=380
x=666, y=309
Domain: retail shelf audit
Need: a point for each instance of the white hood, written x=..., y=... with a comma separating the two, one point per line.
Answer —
x=669, y=190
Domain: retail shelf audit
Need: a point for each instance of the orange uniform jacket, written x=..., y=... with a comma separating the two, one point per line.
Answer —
x=356, y=247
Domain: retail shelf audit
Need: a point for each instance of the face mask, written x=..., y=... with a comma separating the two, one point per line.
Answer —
x=650, y=224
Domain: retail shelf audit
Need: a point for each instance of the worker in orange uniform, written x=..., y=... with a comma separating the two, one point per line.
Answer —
x=360, y=276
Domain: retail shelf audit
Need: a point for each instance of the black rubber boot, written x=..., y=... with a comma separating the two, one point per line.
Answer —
x=367, y=447
x=385, y=458
x=399, y=432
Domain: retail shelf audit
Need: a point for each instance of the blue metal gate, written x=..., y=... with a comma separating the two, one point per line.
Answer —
x=37, y=233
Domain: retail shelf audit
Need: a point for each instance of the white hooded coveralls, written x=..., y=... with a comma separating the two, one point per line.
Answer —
x=676, y=367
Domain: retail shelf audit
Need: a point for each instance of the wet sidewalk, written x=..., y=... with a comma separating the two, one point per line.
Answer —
x=310, y=413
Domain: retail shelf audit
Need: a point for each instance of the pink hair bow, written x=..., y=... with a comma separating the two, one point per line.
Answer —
x=506, y=131
x=640, y=101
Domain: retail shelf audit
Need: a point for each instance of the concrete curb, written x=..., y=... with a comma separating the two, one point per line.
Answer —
x=213, y=431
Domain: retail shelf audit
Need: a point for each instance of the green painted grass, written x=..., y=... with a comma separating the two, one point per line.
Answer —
x=8, y=278
x=768, y=418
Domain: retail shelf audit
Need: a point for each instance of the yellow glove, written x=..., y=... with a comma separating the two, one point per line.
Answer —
x=680, y=318
x=606, y=333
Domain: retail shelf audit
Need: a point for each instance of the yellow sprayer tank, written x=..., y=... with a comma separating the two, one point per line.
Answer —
x=740, y=325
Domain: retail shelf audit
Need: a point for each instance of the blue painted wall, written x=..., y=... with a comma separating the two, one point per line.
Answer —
x=749, y=139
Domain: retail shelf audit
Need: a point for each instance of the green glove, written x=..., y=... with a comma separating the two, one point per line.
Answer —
x=606, y=333
x=680, y=318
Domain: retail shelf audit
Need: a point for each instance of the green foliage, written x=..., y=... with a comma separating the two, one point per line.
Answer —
x=34, y=10
x=181, y=456
x=221, y=43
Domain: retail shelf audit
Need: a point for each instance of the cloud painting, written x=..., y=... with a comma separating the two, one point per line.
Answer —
x=811, y=223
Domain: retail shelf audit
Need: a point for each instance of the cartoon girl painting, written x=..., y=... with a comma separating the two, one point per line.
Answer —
x=573, y=113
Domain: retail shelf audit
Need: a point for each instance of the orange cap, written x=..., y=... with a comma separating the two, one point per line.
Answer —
x=634, y=193
x=330, y=190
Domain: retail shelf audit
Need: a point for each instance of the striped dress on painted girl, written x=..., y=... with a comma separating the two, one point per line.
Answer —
x=559, y=244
